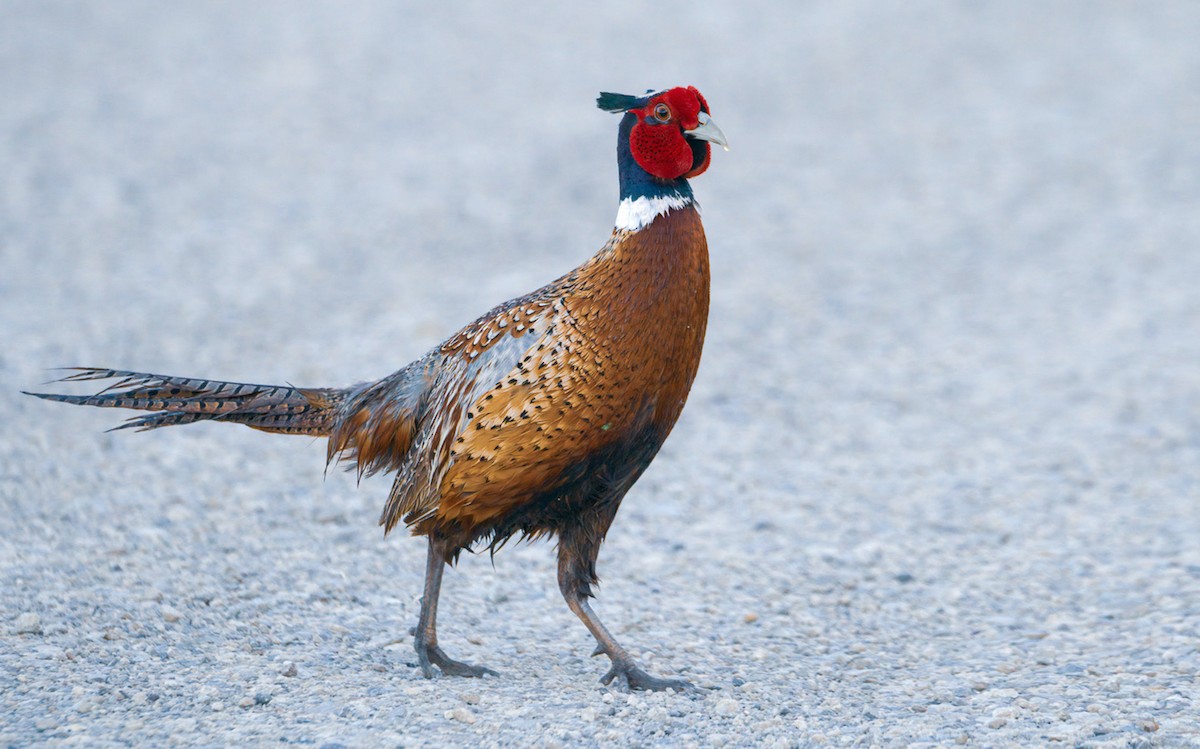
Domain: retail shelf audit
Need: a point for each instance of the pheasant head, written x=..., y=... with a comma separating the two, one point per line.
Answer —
x=665, y=139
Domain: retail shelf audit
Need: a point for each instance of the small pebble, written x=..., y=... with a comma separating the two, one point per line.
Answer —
x=461, y=714
x=998, y=722
x=727, y=706
x=472, y=698
x=289, y=669
x=750, y=618
x=1149, y=726
x=171, y=614
x=28, y=623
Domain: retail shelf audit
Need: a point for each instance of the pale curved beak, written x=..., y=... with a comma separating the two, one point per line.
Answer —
x=708, y=130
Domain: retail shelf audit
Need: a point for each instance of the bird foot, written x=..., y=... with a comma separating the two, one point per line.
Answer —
x=429, y=656
x=634, y=678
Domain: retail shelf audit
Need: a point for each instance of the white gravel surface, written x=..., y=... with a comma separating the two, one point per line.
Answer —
x=939, y=479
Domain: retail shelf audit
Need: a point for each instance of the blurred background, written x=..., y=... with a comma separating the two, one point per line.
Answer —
x=939, y=474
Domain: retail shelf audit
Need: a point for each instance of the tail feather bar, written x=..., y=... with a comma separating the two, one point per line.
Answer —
x=183, y=400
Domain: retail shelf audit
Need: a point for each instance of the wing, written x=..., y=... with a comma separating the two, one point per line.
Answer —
x=470, y=369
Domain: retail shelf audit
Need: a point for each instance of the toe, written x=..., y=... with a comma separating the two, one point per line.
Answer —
x=635, y=679
x=455, y=668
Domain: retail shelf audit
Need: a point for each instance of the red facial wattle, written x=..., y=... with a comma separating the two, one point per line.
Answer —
x=661, y=147
x=701, y=157
x=661, y=150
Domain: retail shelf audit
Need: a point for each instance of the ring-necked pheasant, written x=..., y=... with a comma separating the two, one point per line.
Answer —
x=538, y=417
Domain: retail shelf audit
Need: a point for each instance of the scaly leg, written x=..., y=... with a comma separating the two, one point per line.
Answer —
x=577, y=551
x=425, y=637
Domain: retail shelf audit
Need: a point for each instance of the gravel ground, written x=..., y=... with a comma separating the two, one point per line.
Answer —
x=939, y=476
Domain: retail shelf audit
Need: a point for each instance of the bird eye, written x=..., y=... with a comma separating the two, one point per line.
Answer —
x=662, y=113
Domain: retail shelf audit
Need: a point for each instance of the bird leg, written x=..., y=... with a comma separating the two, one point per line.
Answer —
x=425, y=636
x=576, y=571
x=623, y=667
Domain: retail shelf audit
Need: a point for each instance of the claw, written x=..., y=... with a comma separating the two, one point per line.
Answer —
x=599, y=651
x=634, y=679
x=467, y=670
x=429, y=656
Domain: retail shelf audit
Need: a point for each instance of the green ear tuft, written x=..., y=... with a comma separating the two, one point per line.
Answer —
x=610, y=102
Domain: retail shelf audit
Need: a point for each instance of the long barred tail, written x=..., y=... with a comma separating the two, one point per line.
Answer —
x=182, y=400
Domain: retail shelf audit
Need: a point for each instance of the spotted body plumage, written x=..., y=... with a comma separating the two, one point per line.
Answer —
x=553, y=386
x=538, y=417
